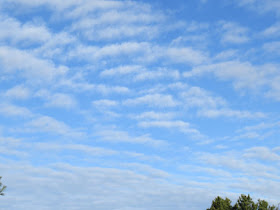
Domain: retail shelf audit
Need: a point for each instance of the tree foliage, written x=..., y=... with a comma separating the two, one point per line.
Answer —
x=243, y=203
x=220, y=204
x=2, y=187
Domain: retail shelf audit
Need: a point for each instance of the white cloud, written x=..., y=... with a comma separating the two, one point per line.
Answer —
x=240, y=165
x=260, y=187
x=4, y=150
x=198, y=97
x=272, y=47
x=234, y=33
x=84, y=86
x=103, y=188
x=15, y=111
x=260, y=131
x=111, y=89
x=27, y=3
x=12, y=147
x=156, y=100
x=230, y=113
x=122, y=136
x=147, y=169
x=105, y=103
x=157, y=74
x=61, y=100
x=274, y=91
x=125, y=20
x=213, y=106
x=125, y=48
x=121, y=70
x=207, y=171
x=175, y=124
x=140, y=73
x=57, y=47
x=126, y=15
x=154, y=115
x=93, y=151
x=15, y=32
x=139, y=52
x=242, y=74
x=127, y=31
x=118, y=32
x=260, y=126
x=50, y=125
x=186, y=55
x=29, y=66
x=262, y=153
x=87, y=7
x=134, y=50
x=62, y=149
x=197, y=40
x=272, y=31
x=18, y=92
x=144, y=157
x=262, y=6
x=226, y=55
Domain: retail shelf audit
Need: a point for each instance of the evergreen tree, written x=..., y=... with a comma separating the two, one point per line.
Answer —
x=246, y=203
x=243, y=203
x=263, y=205
x=220, y=204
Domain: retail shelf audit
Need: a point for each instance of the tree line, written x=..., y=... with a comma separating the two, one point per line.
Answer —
x=243, y=203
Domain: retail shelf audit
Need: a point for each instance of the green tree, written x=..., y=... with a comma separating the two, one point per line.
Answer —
x=245, y=203
x=221, y=204
x=263, y=205
x=2, y=187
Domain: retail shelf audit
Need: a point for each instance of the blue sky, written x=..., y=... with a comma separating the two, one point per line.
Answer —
x=135, y=105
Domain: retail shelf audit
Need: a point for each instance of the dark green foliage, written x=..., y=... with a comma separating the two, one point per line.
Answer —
x=262, y=205
x=246, y=203
x=221, y=204
x=243, y=203
x=2, y=188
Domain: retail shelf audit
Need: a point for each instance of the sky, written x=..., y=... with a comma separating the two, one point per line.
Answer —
x=138, y=105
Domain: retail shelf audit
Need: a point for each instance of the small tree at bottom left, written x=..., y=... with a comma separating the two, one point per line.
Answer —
x=2, y=187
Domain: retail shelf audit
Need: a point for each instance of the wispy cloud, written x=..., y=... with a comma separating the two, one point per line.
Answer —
x=116, y=136
x=14, y=110
x=234, y=33
x=156, y=100
x=242, y=75
x=27, y=65
x=60, y=100
x=14, y=32
x=50, y=125
x=18, y=92
x=180, y=125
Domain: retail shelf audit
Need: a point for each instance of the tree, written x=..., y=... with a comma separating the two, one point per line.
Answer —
x=263, y=205
x=221, y=204
x=246, y=203
x=243, y=203
x=2, y=187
